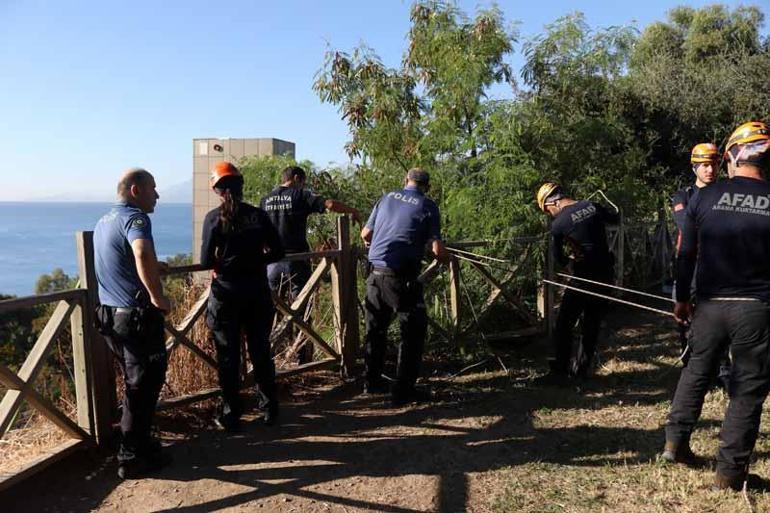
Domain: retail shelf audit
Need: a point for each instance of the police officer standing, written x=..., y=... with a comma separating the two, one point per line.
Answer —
x=398, y=229
x=727, y=232
x=582, y=226
x=288, y=207
x=237, y=244
x=130, y=315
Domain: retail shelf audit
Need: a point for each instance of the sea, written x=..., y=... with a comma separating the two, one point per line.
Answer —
x=38, y=237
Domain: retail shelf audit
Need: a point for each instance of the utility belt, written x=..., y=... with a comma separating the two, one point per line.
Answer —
x=387, y=271
x=135, y=317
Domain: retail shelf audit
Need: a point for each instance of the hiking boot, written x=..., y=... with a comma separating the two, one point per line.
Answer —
x=270, y=415
x=228, y=423
x=723, y=482
x=678, y=453
x=141, y=466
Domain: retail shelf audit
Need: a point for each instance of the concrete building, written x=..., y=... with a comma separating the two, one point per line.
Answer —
x=207, y=152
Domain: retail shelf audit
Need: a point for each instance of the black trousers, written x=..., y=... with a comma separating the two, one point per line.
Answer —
x=228, y=315
x=292, y=274
x=136, y=337
x=388, y=294
x=573, y=305
x=743, y=327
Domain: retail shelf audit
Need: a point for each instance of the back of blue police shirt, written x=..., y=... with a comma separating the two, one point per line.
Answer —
x=403, y=222
x=116, y=275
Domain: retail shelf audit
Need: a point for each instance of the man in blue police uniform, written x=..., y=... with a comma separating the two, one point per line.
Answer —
x=288, y=206
x=400, y=226
x=130, y=315
x=727, y=232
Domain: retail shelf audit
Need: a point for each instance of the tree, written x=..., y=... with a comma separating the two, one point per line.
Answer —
x=54, y=282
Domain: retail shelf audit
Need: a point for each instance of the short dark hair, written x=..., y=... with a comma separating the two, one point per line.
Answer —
x=290, y=172
x=134, y=176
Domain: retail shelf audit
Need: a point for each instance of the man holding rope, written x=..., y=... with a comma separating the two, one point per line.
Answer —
x=704, y=159
x=727, y=230
x=581, y=225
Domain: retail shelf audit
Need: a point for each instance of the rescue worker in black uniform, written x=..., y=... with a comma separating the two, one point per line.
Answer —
x=238, y=242
x=401, y=224
x=581, y=225
x=130, y=316
x=288, y=207
x=727, y=232
x=704, y=159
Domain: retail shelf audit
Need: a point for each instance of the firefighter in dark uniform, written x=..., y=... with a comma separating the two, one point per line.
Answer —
x=581, y=225
x=237, y=244
x=130, y=316
x=288, y=207
x=727, y=232
x=704, y=159
x=402, y=223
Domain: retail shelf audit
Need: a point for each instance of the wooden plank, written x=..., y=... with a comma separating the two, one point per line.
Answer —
x=310, y=332
x=302, y=298
x=349, y=327
x=41, y=404
x=513, y=301
x=454, y=292
x=439, y=329
x=35, y=362
x=184, y=400
x=509, y=275
x=530, y=331
x=71, y=295
x=306, y=367
x=182, y=269
x=80, y=320
x=103, y=394
x=50, y=456
x=189, y=320
x=430, y=272
x=189, y=344
x=331, y=253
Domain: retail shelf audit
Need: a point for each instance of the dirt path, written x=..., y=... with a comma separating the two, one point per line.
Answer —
x=489, y=442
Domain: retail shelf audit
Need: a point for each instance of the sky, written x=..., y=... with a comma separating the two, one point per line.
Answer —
x=89, y=88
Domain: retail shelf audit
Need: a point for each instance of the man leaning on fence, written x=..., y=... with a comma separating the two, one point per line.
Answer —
x=398, y=229
x=130, y=316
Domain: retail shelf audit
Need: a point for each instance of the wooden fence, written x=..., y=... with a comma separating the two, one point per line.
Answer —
x=94, y=380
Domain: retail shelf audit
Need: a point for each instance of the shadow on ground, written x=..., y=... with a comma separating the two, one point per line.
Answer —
x=478, y=424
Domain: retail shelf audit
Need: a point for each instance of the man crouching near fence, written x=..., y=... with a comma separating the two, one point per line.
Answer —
x=130, y=316
x=581, y=225
x=727, y=232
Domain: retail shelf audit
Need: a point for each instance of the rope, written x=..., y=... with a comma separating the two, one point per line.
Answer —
x=476, y=255
x=610, y=298
x=662, y=298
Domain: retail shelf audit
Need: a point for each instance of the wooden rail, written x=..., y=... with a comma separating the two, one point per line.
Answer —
x=93, y=363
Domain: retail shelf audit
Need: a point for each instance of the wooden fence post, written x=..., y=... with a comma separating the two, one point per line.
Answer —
x=550, y=299
x=344, y=293
x=454, y=292
x=80, y=320
x=102, y=381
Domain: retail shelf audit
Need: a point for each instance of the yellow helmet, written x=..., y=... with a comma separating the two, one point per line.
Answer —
x=704, y=152
x=546, y=190
x=748, y=132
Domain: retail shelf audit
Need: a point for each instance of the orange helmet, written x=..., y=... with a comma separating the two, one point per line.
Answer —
x=748, y=132
x=222, y=170
x=704, y=152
